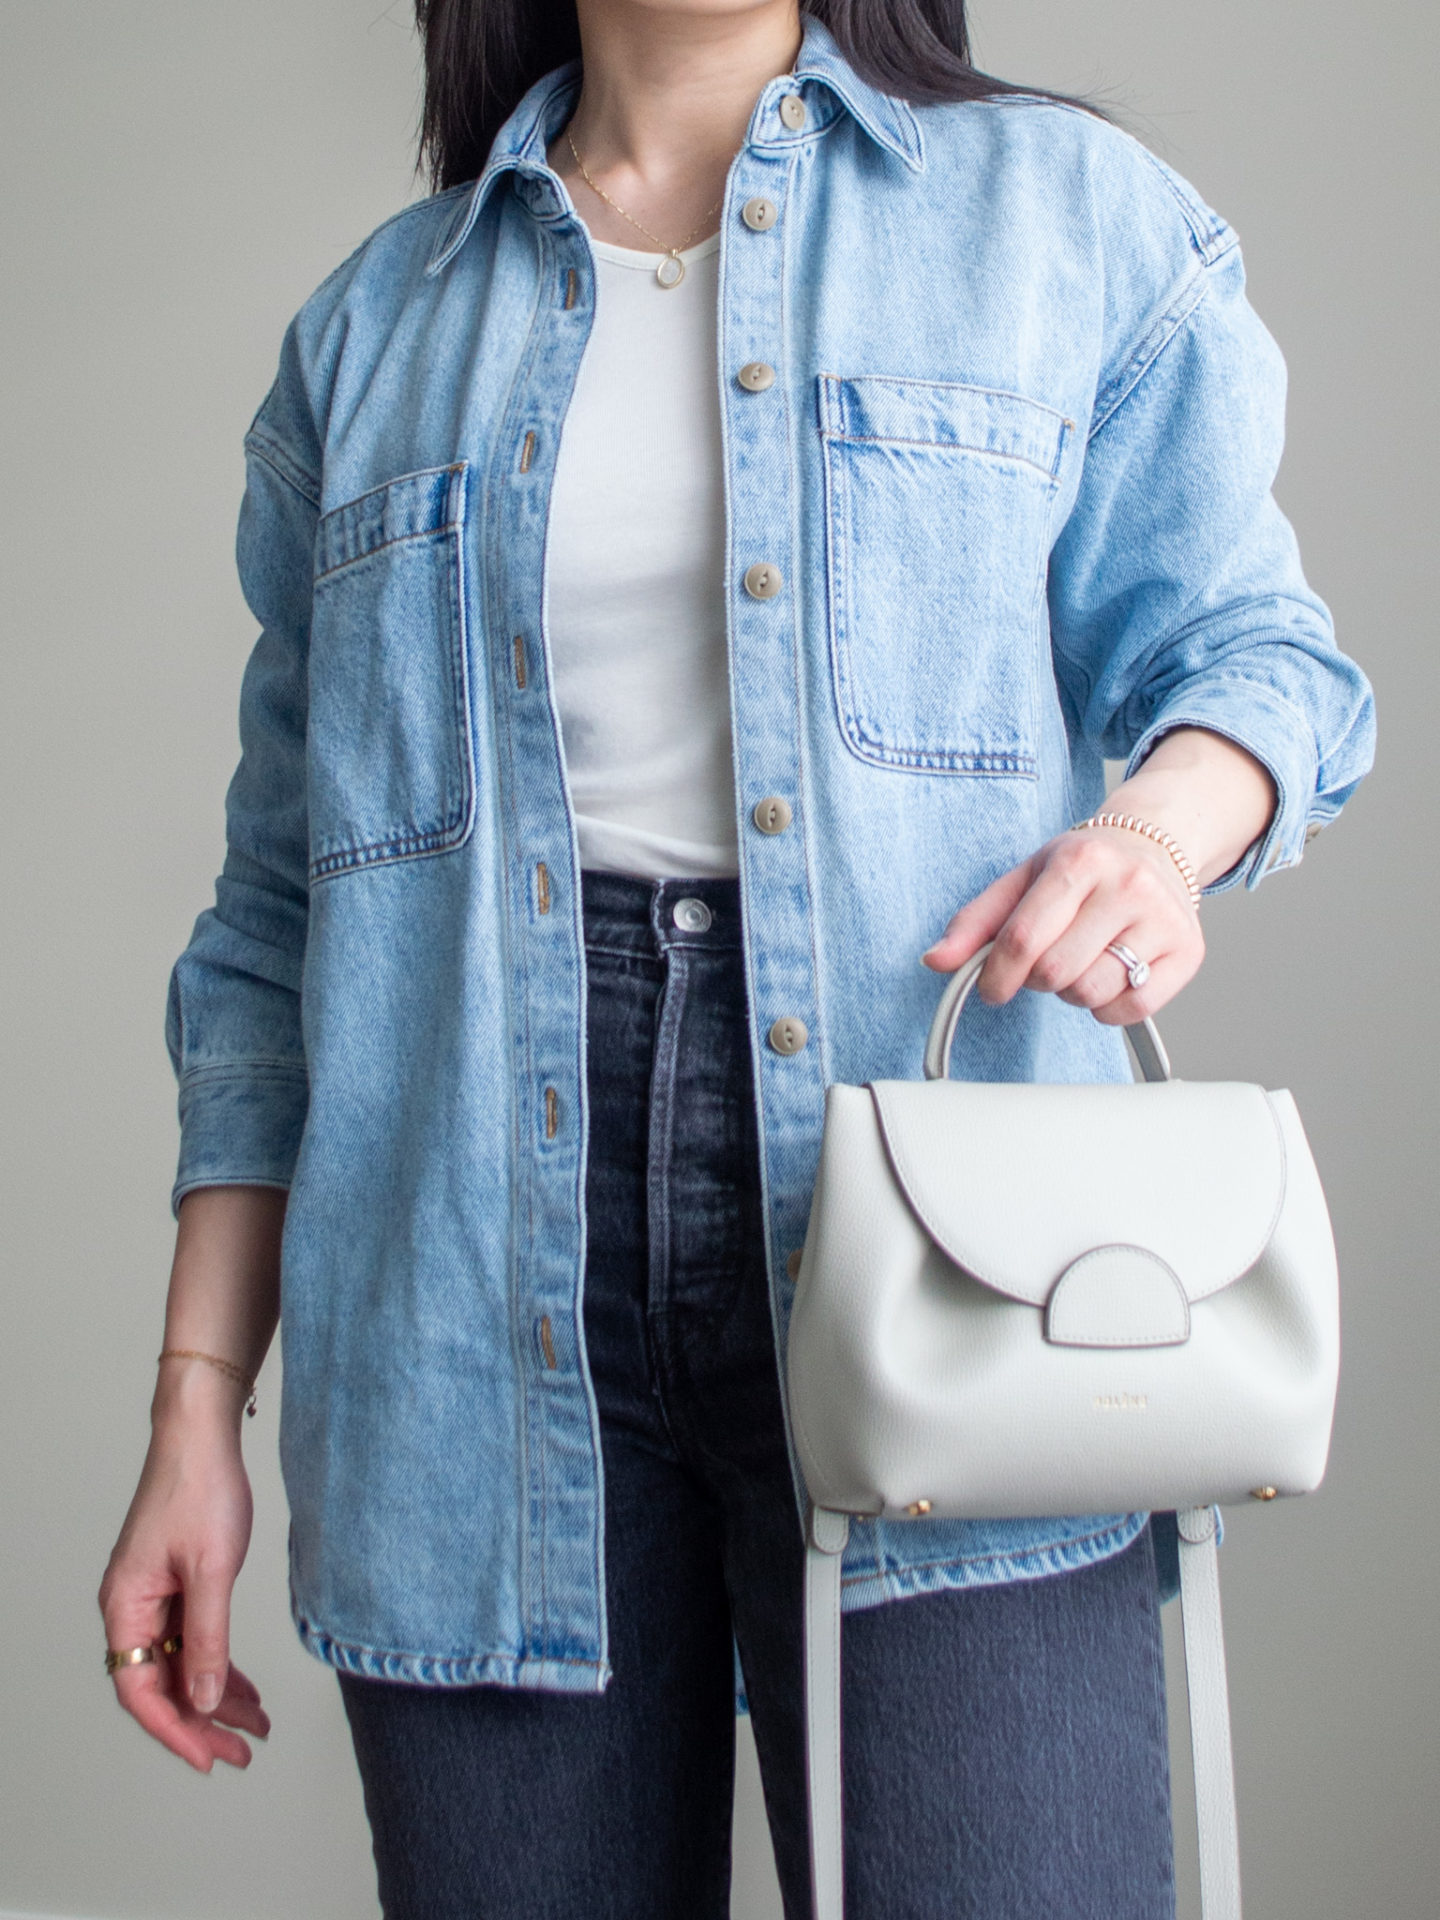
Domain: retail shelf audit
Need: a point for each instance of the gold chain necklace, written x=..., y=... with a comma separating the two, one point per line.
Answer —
x=671, y=270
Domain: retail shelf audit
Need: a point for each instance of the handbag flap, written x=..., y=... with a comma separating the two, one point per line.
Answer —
x=1016, y=1183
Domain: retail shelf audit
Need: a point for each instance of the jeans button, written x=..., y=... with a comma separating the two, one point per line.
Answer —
x=759, y=214
x=691, y=915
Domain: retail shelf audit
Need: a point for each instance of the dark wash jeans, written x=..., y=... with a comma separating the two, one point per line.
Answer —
x=1005, y=1747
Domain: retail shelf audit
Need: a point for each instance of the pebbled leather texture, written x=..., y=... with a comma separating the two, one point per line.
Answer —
x=944, y=1346
x=914, y=1376
x=1015, y=1182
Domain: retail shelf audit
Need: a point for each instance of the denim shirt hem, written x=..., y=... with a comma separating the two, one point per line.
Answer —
x=502, y=1667
x=870, y=1583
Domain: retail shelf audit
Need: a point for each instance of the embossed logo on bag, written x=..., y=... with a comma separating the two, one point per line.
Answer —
x=1121, y=1403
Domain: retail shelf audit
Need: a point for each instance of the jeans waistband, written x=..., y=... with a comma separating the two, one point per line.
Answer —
x=638, y=915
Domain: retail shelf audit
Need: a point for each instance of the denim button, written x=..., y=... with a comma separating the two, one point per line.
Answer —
x=763, y=581
x=792, y=112
x=792, y=1262
x=789, y=1034
x=756, y=375
x=772, y=814
x=691, y=915
x=759, y=214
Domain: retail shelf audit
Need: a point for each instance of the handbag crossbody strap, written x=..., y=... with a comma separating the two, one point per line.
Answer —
x=1205, y=1680
x=1215, y=1821
x=826, y=1534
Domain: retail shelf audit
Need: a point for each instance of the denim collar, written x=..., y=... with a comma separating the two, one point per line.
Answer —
x=829, y=85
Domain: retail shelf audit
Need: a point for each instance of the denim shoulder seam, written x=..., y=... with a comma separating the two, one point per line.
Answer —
x=282, y=464
x=430, y=201
x=1118, y=389
x=1211, y=238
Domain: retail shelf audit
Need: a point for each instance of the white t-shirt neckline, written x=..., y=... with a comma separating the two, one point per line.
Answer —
x=647, y=262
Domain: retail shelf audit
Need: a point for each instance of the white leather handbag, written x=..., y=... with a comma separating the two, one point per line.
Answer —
x=1038, y=1299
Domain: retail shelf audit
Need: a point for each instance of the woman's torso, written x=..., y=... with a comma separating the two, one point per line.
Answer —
x=955, y=573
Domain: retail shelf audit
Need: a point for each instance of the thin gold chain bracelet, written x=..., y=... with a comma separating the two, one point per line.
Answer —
x=1134, y=824
x=227, y=1367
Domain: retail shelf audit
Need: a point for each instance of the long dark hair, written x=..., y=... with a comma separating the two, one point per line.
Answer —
x=482, y=55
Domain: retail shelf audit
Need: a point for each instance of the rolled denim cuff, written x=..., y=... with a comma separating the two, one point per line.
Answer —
x=240, y=1125
x=1280, y=737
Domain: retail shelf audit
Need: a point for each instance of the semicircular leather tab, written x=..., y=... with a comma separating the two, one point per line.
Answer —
x=1118, y=1296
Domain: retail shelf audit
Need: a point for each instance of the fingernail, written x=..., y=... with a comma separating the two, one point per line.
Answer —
x=205, y=1692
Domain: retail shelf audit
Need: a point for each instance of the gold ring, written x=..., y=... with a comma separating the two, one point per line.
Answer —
x=116, y=1657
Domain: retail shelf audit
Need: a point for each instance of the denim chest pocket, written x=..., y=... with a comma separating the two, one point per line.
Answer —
x=390, y=773
x=938, y=506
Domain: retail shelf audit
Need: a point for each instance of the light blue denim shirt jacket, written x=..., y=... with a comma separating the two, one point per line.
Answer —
x=1014, y=471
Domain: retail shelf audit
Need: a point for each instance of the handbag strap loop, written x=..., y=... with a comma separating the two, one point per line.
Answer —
x=1145, y=1041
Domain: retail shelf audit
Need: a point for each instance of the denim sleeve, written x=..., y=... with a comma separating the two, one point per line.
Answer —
x=233, y=1021
x=1176, y=592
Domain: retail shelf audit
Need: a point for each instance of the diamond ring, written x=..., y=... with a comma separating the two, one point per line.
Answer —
x=1137, y=969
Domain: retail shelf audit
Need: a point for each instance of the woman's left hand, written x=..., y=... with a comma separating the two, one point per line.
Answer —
x=1053, y=917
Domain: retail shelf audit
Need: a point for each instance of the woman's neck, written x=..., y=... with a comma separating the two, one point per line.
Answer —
x=667, y=95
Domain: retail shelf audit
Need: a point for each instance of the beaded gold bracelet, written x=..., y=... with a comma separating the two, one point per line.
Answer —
x=1135, y=824
x=227, y=1367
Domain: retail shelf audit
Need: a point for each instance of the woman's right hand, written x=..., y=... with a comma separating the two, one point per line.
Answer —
x=172, y=1571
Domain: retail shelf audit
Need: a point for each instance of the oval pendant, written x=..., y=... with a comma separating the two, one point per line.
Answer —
x=671, y=271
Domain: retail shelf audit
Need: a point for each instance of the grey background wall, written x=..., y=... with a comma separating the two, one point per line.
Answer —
x=178, y=175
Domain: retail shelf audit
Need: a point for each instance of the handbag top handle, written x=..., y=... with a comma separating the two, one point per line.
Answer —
x=1145, y=1041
